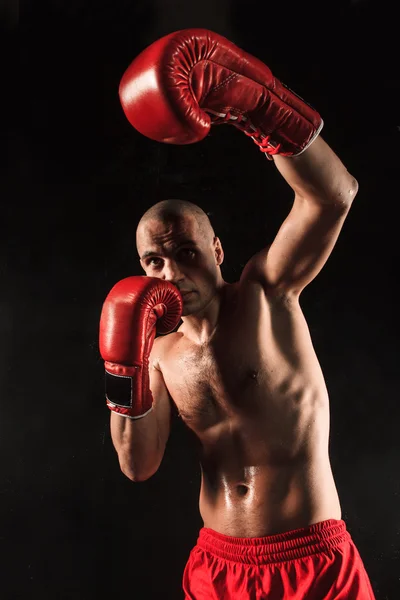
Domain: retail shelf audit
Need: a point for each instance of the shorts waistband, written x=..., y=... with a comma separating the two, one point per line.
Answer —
x=290, y=545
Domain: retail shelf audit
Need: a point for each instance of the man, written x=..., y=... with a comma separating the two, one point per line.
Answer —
x=241, y=368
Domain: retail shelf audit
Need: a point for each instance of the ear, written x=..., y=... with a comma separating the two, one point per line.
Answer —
x=219, y=252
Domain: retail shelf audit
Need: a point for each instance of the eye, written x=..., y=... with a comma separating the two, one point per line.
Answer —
x=154, y=262
x=186, y=253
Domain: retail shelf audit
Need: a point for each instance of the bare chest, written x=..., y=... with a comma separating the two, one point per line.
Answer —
x=206, y=382
x=251, y=365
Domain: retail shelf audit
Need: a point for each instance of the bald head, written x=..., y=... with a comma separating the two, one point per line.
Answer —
x=176, y=242
x=175, y=212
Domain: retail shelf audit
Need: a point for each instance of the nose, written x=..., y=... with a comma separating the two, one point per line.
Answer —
x=172, y=272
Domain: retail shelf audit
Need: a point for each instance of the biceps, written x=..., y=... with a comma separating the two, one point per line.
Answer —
x=301, y=247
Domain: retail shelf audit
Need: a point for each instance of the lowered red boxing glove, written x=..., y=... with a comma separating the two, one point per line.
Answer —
x=188, y=80
x=131, y=312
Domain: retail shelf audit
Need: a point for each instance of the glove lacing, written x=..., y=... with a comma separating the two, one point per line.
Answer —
x=244, y=124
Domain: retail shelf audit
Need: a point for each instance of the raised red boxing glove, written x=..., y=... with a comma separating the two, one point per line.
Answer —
x=188, y=80
x=133, y=311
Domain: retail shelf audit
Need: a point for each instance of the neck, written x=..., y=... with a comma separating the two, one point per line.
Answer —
x=200, y=327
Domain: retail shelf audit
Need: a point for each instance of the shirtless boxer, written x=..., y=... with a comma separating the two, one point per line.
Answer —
x=241, y=368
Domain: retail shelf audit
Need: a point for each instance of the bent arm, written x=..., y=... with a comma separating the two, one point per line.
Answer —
x=319, y=176
x=140, y=443
x=324, y=192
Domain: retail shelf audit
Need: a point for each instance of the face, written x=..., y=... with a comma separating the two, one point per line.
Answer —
x=180, y=253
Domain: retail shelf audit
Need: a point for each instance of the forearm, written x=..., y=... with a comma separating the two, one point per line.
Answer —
x=137, y=443
x=318, y=174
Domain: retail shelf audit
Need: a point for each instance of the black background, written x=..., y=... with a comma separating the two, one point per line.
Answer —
x=75, y=179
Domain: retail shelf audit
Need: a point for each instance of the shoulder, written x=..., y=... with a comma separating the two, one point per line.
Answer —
x=253, y=269
x=250, y=290
x=162, y=346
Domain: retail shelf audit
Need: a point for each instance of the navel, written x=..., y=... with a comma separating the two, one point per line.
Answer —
x=242, y=490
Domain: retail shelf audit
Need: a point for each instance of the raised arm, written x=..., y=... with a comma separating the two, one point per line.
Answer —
x=180, y=86
x=323, y=194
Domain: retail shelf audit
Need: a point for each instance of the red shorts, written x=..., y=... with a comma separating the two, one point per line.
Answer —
x=319, y=562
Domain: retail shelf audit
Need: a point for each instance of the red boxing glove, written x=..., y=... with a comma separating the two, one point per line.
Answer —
x=188, y=80
x=130, y=314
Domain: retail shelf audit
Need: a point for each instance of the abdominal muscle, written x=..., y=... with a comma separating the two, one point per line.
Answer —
x=256, y=401
x=253, y=496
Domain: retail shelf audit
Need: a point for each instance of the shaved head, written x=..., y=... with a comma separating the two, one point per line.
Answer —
x=176, y=242
x=175, y=212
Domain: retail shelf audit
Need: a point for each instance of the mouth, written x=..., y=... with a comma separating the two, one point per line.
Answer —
x=186, y=294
